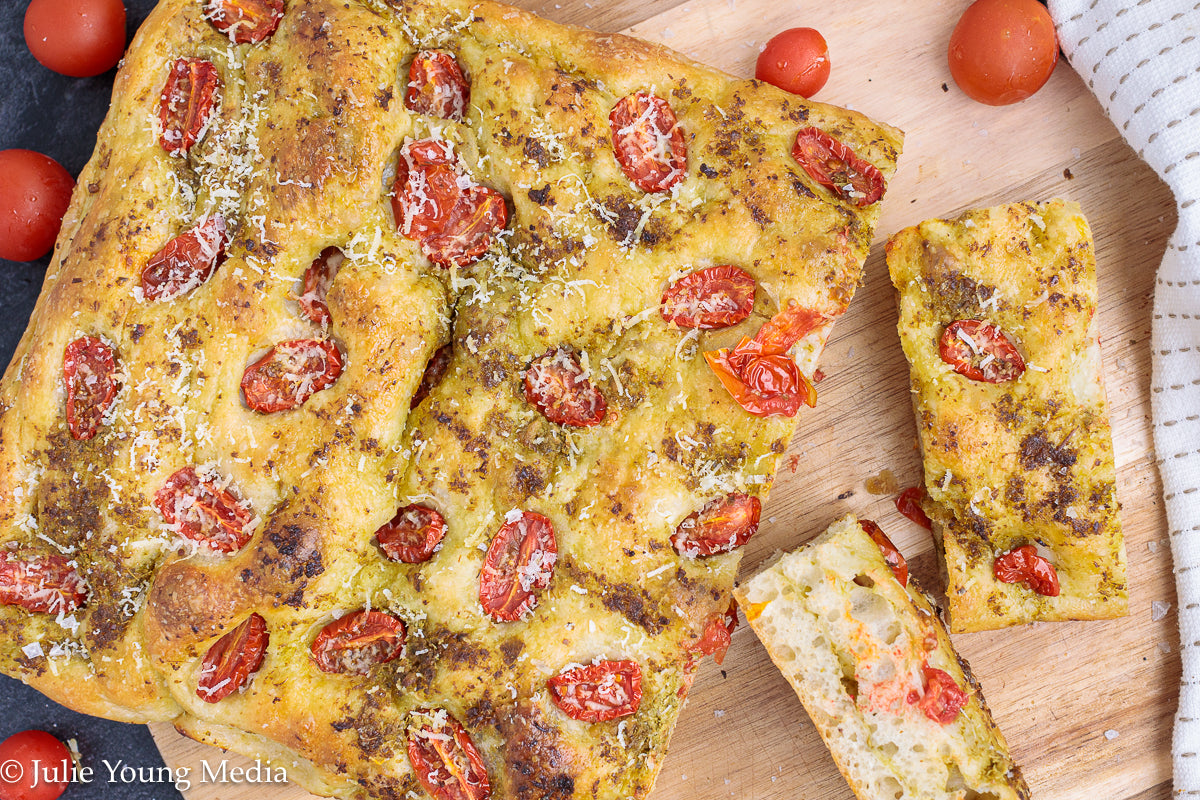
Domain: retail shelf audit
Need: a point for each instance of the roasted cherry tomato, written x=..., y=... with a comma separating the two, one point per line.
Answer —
x=186, y=262
x=763, y=385
x=204, y=511
x=244, y=21
x=796, y=61
x=435, y=370
x=980, y=351
x=468, y=230
x=80, y=38
x=1024, y=565
x=186, y=103
x=648, y=142
x=908, y=503
x=786, y=327
x=709, y=298
x=436, y=86
x=413, y=535
x=720, y=526
x=44, y=583
x=556, y=386
x=355, y=643
x=34, y=766
x=290, y=373
x=891, y=553
x=35, y=191
x=233, y=659
x=445, y=760
x=942, y=698
x=718, y=634
x=90, y=375
x=317, y=279
x=835, y=166
x=518, y=566
x=598, y=692
x=1002, y=51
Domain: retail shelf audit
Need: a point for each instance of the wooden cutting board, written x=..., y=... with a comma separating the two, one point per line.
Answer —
x=1086, y=707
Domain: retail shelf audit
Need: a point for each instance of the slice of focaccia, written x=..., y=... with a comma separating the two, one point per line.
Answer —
x=898, y=709
x=998, y=321
x=366, y=420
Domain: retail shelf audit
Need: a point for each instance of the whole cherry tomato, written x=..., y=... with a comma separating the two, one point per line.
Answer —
x=34, y=194
x=79, y=38
x=1002, y=51
x=35, y=766
x=796, y=61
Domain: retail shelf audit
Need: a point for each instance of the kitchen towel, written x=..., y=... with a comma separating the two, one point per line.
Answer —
x=1141, y=58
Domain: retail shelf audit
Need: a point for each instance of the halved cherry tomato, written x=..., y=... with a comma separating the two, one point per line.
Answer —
x=467, y=231
x=204, y=511
x=355, y=643
x=412, y=535
x=796, y=60
x=763, y=385
x=317, y=279
x=519, y=565
x=245, y=21
x=648, y=141
x=555, y=384
x=35, y=191
x=835, y=166
x=435, y=370
x=942, y=698
x=598, y=692
x=980, y=351
x=233, y=659
x=445, y=760
x=709, y=298
x=80, y=38
x=718, y=634
x=1002, y=51
x=908, y=503
x=786, y=327
x=891, y=553
x=436, y=86
x=290, y=373
x=720, y=526
x=35, y=766
x=185, y=262
x=1024, y=565
x=186, y=103
x=44, y=583
x=90, y=375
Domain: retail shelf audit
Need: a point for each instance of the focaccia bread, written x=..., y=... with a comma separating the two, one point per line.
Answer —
x=365, y=422
x=998, y=321
x=874, y=667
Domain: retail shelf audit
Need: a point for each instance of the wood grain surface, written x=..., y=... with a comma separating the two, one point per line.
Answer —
x=1086, y=707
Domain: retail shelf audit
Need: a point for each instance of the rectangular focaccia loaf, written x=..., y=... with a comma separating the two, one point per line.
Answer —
x=863, y=653
x=1022, y=459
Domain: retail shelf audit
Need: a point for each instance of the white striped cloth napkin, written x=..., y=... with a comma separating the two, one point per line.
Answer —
x=1141, y=58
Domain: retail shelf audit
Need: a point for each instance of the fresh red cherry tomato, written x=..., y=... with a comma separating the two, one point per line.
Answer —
x=290, y=373
x=709, y=298
x=413, y=534
x=204, y=511
x=648, y=142
x=1024, y=565
x=355, y=643
x=436, y=86
x=244, y=21
x=796, y=61
x=598, y=692
x=555, y=385
x=35, y=191
x=233, y=659
x=317, y=280
x=46, y=584
x=79, y=38
x=34, y=766
x=831, y=163
x=1002, y=51
x=447, y=763
x=518, y=566
x=720, y=526
x=435, y=370
x=908, y=503
x=980, y=351
x=942, y=698
x=891, y=553
x=89, y=373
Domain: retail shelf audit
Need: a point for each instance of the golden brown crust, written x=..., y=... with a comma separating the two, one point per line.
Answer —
x=1021, y=462
x=300, y=157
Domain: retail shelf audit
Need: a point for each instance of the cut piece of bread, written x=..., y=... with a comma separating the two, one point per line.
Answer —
x=857, y=646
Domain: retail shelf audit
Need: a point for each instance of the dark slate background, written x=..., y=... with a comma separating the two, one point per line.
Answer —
x=59, y=116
